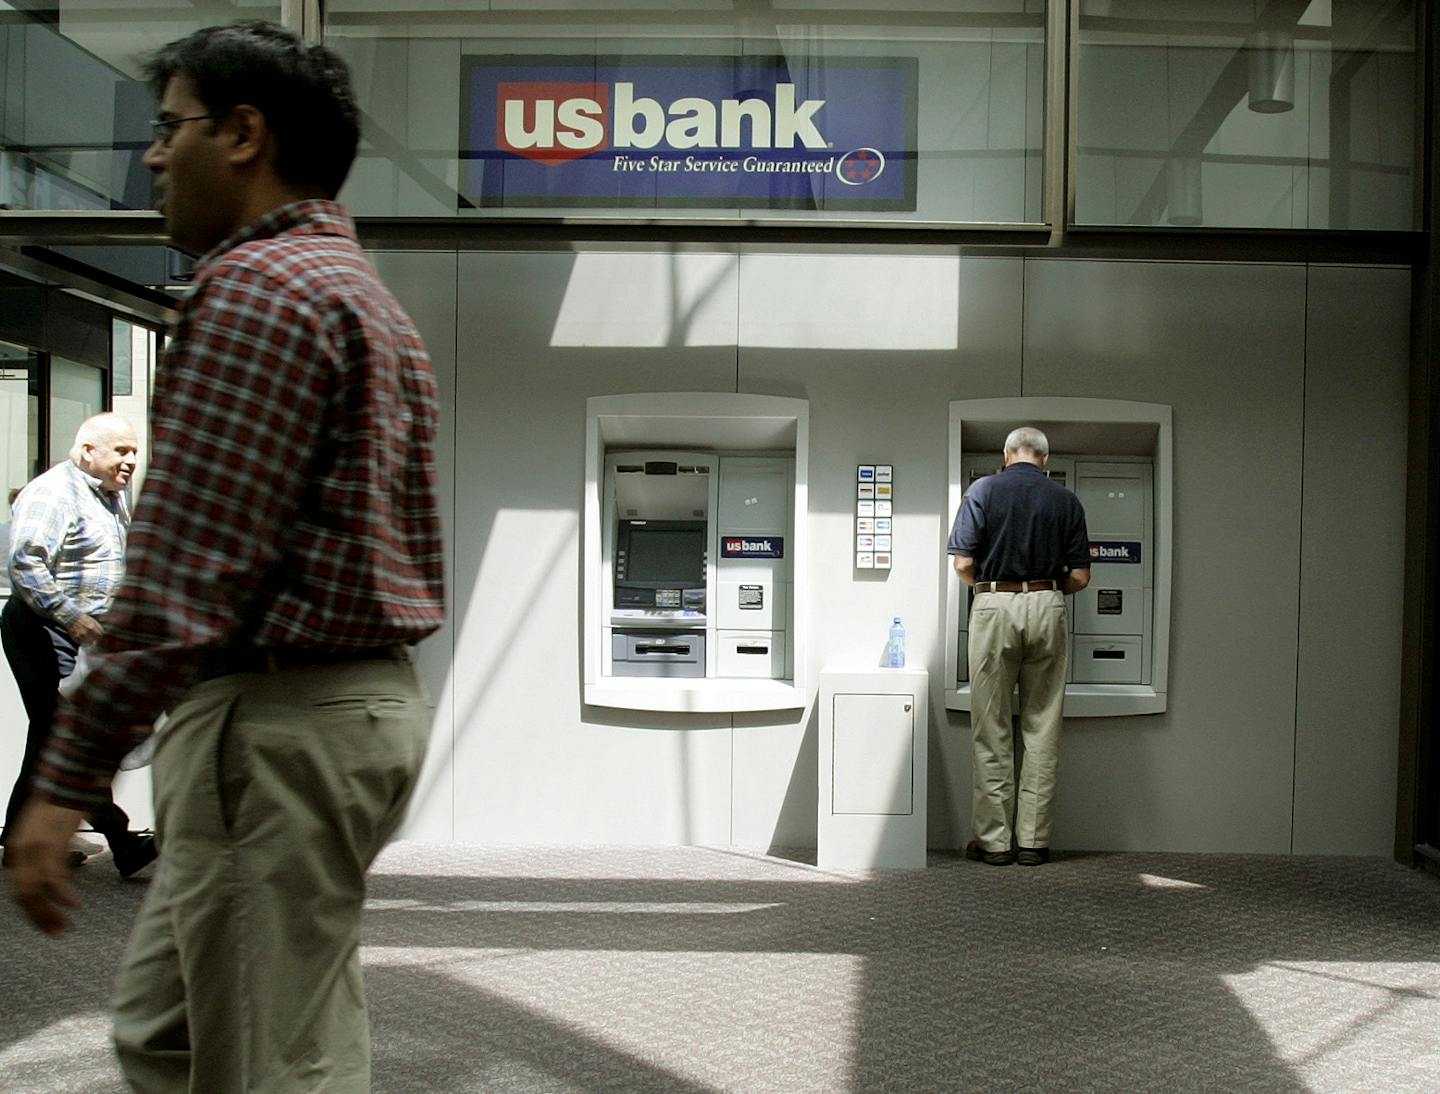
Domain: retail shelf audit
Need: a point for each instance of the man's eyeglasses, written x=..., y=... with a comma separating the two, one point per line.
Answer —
x=164, y=128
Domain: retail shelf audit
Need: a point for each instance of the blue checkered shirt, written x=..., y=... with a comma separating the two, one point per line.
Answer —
x=67, y=544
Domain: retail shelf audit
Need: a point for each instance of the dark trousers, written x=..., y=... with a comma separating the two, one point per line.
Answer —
x=40, y=656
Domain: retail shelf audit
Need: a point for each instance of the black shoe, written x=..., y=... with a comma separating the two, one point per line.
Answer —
x=1033, y=856
x=133, y=853
x=975, y=853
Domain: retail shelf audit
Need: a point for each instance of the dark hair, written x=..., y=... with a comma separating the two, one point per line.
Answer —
x=302, y=89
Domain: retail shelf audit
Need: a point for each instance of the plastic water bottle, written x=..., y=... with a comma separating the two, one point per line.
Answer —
x=897, y=644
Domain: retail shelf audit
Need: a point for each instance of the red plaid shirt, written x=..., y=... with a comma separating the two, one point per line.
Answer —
x=290, y=499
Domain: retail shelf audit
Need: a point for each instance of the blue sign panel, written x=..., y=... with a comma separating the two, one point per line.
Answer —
x=752, y=546
x=688, y=132
x=1115, y=551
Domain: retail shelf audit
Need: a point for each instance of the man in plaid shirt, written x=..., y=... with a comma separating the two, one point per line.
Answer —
x=66, y=557
x=284, y=556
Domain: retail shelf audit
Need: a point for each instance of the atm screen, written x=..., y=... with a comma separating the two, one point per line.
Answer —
x=669, y=555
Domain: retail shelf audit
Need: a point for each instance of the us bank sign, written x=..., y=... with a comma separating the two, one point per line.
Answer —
x=688, y=132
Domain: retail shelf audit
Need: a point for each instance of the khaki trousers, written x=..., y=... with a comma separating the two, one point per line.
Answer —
x=1016, y=638
x=273, y=794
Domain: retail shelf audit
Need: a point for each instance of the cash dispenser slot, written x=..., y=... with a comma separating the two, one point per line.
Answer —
x=646, y=653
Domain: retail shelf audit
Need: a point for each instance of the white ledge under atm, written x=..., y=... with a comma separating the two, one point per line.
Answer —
x=1117, y=456
x=695, y=552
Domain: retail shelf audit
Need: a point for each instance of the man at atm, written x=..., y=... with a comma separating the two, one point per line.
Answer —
x=1020, y=540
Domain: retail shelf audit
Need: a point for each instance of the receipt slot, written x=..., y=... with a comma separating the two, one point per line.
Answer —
x=1116, y=457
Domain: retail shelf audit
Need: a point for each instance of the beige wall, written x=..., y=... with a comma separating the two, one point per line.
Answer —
x=1288, y=385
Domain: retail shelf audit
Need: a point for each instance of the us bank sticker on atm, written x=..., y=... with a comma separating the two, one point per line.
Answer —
x=1121, y=551
x=752, y=546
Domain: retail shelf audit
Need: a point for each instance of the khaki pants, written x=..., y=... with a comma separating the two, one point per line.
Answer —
x=273, y=794
x=1016, y=638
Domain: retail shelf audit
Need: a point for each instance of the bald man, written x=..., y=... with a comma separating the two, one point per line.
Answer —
x=66, y=557
x=1020, y=540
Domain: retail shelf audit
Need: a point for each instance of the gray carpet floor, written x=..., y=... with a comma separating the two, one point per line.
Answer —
x=694, y=969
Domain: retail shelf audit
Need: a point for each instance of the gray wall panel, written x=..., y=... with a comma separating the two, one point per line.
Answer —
x=1223, y=345
x=1352, y=560
x=538, y=334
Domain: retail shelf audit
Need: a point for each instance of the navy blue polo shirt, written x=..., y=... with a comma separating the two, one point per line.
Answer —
x=1020, y=526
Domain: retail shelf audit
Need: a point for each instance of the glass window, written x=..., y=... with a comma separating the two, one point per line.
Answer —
x=1248, y=114
x=809, y=109
x=19, y=430
x=76, y=392
x=134, y=350
x=74, y=110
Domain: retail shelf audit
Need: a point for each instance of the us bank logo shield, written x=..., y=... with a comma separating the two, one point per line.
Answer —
x=672, y=132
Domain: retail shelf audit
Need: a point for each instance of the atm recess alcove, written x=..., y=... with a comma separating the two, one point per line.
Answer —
x=695, y=552
x=1117, y=456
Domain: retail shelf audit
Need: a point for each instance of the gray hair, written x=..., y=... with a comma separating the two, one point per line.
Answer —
x=1027, y=439
x=100, y=429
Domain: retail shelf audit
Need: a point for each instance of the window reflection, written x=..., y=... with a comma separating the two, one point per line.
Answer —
x=1278, y=114
x=74, y=110
x=19, y=430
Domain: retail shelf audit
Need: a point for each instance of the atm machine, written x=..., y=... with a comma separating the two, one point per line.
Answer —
x=697, y=578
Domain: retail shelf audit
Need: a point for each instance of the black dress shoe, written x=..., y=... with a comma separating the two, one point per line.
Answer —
x=133, y=853
x=1033, y=856
x=976, y=853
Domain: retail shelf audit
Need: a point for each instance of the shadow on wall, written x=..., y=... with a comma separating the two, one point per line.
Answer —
x=798, y=820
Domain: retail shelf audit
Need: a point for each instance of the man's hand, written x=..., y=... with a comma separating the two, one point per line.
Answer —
x=85, y=630
x=36, y=853
x=965, y=568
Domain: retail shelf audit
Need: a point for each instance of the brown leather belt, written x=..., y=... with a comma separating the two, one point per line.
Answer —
x=254, y=659
x=1015, y=586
